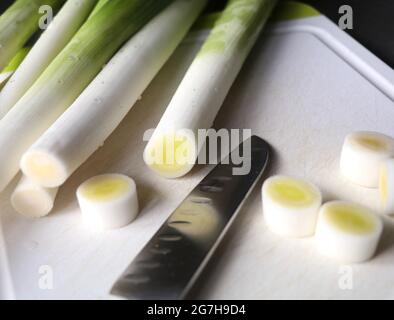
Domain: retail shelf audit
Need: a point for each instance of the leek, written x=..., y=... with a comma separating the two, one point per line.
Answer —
x=172, y=151
x=83, y=128
x=4, y=76
x=98, y=6
x=68, y=75
x=17, y=24
x=17, y=60
x=31, y=200
x=12, y=66
x=53, y=40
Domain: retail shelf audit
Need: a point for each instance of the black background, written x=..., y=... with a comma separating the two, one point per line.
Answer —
x=373, y=22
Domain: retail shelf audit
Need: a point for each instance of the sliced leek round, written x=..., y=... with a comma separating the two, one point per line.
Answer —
x=386, y=186
x=347, y=232
x=32, y=200
x=290, y=206
x=361, y=155
x=108, y=201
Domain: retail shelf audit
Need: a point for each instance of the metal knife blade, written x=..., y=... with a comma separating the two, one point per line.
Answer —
x=168, y=266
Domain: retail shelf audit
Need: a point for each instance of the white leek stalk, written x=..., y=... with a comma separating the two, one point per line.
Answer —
x=84, y=127
x=59, y=32
x=68, y=75
x=17, y=24
x=32, y=200
x=172, y=150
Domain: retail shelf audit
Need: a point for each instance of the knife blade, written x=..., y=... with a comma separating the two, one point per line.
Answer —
x=170, y=263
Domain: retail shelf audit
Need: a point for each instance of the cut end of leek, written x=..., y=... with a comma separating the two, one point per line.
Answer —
x=105, y=188
x=347, y=232
x=290, y=206
x=108, y=201
x=361, y=155
x=44, y=169
x=386, y=186
x=32, y=200
x=171, y=155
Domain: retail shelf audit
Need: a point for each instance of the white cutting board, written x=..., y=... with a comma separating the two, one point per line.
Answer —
x=305, y=86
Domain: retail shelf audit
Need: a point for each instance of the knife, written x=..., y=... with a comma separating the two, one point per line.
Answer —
x=170, y=263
